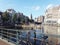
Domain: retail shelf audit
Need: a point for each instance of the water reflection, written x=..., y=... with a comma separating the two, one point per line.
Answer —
x=47, y=35
x=34, y=37
x=53, y=33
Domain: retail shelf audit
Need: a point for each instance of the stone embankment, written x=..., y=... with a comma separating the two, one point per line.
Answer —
x=30, y=26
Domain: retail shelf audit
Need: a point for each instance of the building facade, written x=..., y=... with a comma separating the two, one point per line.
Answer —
x=52, y=15
x=39, y=19
x=52, y=18
x=12, y=11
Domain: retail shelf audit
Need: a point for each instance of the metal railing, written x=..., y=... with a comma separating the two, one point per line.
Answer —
x=16, y=37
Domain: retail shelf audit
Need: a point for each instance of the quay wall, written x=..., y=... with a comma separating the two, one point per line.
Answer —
x=31, y=26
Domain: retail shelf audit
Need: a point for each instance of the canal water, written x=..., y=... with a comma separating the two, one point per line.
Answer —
x=47, y=35
x=33, y=37
x=53, y=33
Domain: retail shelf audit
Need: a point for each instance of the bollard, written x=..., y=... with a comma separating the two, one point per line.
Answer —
x=34, y=38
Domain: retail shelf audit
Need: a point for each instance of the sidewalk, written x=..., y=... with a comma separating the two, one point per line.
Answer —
x=3, y=43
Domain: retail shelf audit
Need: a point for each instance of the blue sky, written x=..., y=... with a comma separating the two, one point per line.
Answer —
x=36, y=7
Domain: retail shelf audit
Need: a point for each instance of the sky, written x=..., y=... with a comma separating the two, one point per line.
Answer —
x=28, y=7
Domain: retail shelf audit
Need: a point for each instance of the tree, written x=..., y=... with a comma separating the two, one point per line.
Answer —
x=31, y=16
x=14, y=18
x=22, y=19
x=19, y=19
x=5, y=17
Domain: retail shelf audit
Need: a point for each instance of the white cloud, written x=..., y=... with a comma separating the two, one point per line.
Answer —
x=36, y=8
x=49, y=6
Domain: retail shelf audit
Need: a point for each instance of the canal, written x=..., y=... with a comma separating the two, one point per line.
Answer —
x=48, y=35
